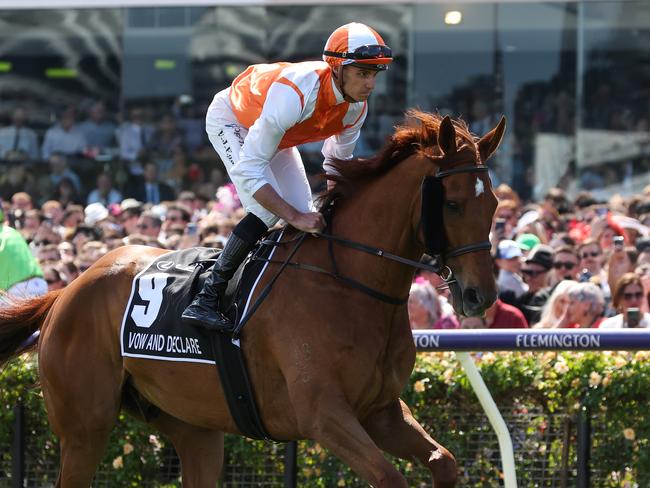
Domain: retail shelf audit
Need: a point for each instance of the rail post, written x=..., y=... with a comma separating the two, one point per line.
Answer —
x=18, y=448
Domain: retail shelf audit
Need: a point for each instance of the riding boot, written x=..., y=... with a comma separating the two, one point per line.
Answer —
x=204, y=310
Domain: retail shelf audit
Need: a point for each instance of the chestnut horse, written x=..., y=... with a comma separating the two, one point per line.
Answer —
x=326, y=360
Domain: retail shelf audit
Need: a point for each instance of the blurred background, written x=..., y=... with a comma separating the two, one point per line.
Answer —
x=572, y=78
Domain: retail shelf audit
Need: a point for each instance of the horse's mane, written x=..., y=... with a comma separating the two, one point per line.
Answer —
x=418, y=134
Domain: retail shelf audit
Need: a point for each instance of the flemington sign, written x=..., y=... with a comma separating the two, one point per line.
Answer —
x=532, y=340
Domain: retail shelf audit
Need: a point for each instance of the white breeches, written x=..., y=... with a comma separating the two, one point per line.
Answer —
x=285, y=172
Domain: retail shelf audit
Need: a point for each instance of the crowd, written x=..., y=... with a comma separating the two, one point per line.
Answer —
x=558, y=263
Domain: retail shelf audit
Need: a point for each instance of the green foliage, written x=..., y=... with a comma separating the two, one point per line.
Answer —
x=540, y=394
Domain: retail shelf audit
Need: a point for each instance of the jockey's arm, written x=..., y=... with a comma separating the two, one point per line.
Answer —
x=341, y=146
x=282, y=111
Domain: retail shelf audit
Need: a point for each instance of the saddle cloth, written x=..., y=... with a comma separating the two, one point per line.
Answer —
x=151, y=325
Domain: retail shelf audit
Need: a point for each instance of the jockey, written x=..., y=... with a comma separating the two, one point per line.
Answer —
x=255, y=126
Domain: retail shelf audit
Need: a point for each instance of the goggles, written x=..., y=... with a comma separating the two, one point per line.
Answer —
x=368, y=51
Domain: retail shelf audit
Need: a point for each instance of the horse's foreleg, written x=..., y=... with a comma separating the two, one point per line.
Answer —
x=200, y=450
x=396, y=431
x=333, y=425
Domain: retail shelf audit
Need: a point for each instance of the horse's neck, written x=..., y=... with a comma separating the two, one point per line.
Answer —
x=380, y=215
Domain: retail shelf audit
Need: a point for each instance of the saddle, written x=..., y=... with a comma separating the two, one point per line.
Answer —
x=151, y=326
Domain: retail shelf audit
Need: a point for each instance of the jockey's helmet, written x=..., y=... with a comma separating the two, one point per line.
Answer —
x=357, y=45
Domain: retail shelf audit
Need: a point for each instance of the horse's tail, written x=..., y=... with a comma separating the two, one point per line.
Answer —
x=19, y=320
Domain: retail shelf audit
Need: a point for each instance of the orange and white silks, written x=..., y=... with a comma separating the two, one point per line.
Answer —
x=249, y=91
x=256, y=124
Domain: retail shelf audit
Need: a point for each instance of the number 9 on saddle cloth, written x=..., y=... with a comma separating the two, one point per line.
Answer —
x=151, y=327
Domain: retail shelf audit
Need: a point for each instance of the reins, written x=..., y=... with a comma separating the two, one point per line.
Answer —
x=440, y=268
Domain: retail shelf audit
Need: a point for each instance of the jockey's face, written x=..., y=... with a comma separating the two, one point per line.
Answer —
x=358, y=83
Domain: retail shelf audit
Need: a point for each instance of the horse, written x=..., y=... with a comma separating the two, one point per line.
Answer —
x=327, y=361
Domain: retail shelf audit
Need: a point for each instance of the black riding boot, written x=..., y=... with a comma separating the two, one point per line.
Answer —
x=204, y=310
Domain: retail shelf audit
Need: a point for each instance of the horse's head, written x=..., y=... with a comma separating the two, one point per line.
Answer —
x=457, y=209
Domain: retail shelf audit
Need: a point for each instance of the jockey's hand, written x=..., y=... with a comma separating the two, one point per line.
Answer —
x=308, y=222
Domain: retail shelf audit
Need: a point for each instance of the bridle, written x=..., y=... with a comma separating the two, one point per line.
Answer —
x=432, y=225
x=437, y=248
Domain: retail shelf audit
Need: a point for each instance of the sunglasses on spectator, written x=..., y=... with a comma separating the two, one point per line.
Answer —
x=564, y=264
x=533, y=273
x=142, y=226
x=174, y=218
x=633, y=296
x=592, y=254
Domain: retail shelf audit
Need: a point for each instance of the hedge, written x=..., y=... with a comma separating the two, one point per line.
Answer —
x=541, y=389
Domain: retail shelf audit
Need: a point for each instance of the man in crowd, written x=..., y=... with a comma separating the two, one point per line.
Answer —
x=18, y=137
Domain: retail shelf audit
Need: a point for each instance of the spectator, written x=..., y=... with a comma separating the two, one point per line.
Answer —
x=15, y=177
x=53, y=277
x=426, y=309
x=67, y=252
x=507, y=211
x=643, y=248
x=509, y=278
x=556, y=307
x=18, y=138
x=152, y=190
x=97, y=130
x=534, y=271
x=73, y=216
x=621, y=260
x=53, y=211
x=66, y=193
x=591, y=259
x=133, y=137
x=627, y=299
x=176, y=214
x=47, y=253
x=94, y=214
x=59, y=169
x=20, y=274
x=166, y=140
x=586, y=307
x=21, y=201
x=565, y=265
x=499, y=316
x=65, y=137
x=149, y=224
x=83, y=234
x=104, y=193
x=130, y=211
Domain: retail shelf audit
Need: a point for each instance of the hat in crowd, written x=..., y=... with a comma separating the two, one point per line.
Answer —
x=128, y=203
x=541, y=254
x=508, y=249
x=528, y=241
x=527, y=219
x=94, y=213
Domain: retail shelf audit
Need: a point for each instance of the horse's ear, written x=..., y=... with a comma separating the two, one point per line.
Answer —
x=447, y=136
x=489, y=143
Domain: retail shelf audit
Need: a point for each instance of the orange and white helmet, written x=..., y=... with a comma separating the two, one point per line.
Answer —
x=357, y=44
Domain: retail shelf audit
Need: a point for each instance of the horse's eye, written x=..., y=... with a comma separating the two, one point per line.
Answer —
x=452, y=206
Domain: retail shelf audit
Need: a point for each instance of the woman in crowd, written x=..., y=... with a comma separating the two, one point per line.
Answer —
x=627, y=300
x=425, y=308
x=556, y=306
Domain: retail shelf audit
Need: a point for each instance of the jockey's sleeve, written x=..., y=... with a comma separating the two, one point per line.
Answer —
x=282, y=110
x=341, y=145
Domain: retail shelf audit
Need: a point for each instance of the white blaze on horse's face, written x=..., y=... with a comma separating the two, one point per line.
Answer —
x=479, y=187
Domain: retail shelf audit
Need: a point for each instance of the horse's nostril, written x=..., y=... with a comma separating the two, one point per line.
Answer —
x=472, y=297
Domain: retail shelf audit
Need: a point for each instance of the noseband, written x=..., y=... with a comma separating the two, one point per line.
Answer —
x=431, y=221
